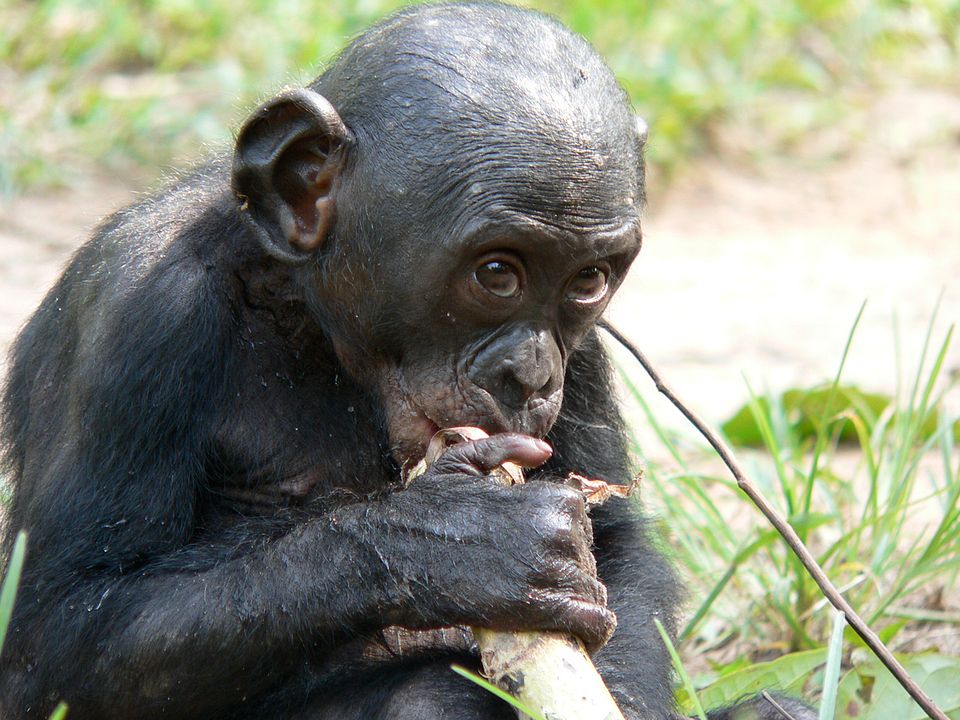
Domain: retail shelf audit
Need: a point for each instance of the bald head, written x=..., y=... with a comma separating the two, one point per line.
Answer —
x=455, y=100
x=437, y=119
x=475, y=61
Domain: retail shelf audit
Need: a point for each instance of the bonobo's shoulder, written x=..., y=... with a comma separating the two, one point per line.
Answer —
x=186, y=222
x=174, y=235
x=162, y=255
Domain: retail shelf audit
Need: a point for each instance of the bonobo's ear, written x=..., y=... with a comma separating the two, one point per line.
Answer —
x=287, y=157
x=642, y=130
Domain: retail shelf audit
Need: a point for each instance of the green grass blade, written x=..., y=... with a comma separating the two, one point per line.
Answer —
x=658, y=429
x=764, y=423
x=681, y=671
x=823, y=426
x=59, y=712
x=8, y=594
x=763, y=541
x=831, y=674
x=923, y=354
x=933, y=375
x=490, y=687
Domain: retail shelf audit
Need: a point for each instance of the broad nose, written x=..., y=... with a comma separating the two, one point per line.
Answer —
x=518, y=366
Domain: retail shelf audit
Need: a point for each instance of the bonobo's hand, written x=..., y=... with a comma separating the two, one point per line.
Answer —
x=462, y=549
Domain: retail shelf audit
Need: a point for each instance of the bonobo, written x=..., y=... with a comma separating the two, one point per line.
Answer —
x=208, y=419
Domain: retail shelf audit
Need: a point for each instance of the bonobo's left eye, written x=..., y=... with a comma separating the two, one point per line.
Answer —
x=499, y=278
x=588, y=285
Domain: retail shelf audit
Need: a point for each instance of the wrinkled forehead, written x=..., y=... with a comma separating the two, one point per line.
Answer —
x=453, y=122
x=558, y=174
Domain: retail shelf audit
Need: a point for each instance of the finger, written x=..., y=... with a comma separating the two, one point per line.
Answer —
x=592, y=623
x=588, y=563
x=565, y=522
x=577, y=508
x=587, y=527
x=578, y=581
x=605, y=632
x=486, y=454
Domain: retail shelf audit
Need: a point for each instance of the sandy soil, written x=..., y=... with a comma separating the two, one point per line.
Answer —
x=762, y=271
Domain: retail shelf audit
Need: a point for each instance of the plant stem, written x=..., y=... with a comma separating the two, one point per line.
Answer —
x=869, y=637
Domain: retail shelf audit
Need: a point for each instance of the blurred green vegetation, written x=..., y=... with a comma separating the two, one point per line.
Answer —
x=120, y=84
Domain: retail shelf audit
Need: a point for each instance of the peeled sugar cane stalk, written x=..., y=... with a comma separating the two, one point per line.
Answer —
x=549, y=672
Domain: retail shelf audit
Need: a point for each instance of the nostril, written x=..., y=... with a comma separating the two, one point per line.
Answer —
x=529, y=377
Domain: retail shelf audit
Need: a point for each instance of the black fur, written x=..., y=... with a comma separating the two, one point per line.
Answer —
x=204, y=453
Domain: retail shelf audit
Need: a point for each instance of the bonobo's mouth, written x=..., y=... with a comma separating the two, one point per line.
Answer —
x=410, y=432
x=422, y=426
x=415, y=414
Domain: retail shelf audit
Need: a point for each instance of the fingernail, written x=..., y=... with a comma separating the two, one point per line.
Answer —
x=544, y=446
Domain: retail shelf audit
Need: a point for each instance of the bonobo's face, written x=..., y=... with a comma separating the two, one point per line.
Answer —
x=484, y=278
x=491, y=318
x=496, y=193
x=464, y=187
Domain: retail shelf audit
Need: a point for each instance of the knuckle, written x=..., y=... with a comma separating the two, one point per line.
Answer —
x=566, y=500
x=461, y=459
x=573, y=503
x=562, y=532
x=558, y=498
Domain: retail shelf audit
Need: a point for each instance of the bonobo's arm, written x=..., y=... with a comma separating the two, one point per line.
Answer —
x=131, y=607
x=589, y=439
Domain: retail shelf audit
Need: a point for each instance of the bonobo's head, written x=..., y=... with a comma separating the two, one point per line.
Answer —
x=461, y=192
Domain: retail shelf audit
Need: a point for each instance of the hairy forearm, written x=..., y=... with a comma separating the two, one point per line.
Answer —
x=175, y=643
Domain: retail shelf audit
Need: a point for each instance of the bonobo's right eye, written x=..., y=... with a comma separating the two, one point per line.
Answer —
x=499, y=278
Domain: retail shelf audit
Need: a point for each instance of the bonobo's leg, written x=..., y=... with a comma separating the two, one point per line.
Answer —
x=766, y=707
x=427, y=690
x=435, y=691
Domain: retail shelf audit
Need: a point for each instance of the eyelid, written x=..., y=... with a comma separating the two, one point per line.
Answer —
x=504, y=257
x=604, y=270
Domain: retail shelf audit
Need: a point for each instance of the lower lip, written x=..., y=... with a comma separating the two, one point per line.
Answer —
x=430, y=428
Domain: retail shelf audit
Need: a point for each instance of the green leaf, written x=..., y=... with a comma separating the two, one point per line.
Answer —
x=786, y=673
x=8, y=594
x=742, y=429
x=809, y=409
x=870, y=692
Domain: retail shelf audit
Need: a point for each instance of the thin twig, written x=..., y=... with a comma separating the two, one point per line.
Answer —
x=788, y=533
x=776, y=706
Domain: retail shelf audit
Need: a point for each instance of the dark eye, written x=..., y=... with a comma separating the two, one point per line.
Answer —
x=587, y=285
x=499, y=278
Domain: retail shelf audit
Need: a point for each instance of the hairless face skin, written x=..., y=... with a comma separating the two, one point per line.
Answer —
x=207, y=420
